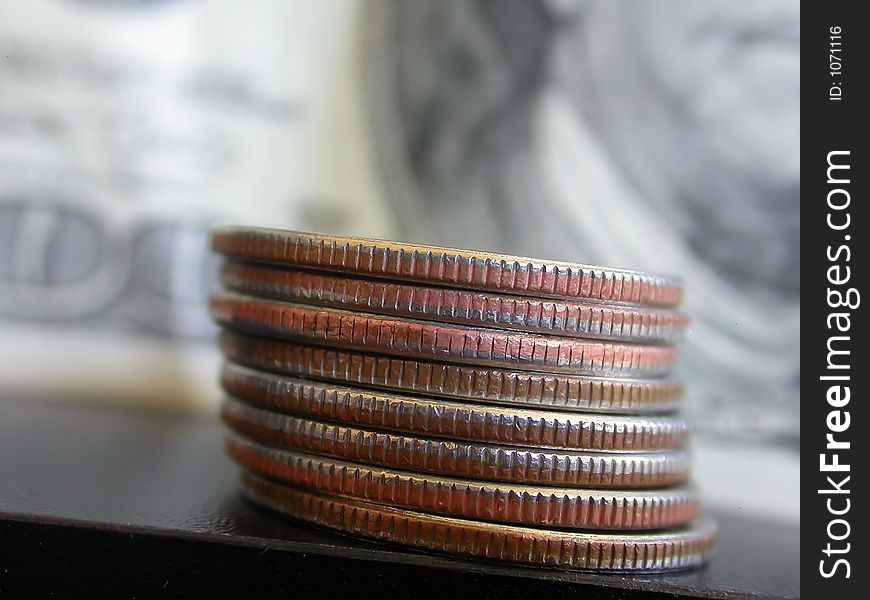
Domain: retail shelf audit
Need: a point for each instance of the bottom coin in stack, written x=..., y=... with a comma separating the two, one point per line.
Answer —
x=679, y=548
x=484, y=500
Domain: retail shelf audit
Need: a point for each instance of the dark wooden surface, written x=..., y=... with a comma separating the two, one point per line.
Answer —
x=125, y=503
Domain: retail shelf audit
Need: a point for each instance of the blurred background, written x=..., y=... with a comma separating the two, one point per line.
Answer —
x=650, y=134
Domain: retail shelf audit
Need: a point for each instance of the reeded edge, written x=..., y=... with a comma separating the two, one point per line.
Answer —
x=489, y=462
x=493, y=268
x=480, y=423
x=546, y=316
x=514, y=503
x=514, y=387
x=438, y=341
x=676, y=549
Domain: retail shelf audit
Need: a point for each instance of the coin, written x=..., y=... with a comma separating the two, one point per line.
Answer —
x=480, y=309
x=455, y=458
x=482, y=384
x=448, y=342
x=679, y=548
x=511, y=503
x=451, y=419
x=446, y=266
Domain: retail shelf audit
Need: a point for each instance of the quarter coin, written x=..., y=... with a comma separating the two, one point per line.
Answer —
x=481, y=309
x=451, y=267
x=478, y=383
x=491, y=462
x=485, y=423
x=447, y=342
x=510, y=503
x=679, y=548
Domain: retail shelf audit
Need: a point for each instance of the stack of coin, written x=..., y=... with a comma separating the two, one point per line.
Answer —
x=459, y=401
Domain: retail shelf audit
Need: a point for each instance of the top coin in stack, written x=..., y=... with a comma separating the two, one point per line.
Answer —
x=450, y=267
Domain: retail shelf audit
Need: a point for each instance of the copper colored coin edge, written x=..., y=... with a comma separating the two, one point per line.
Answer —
x=426, y=339
x=680, y=549
x=459, y=459
x=544, y=316
x=479, y=423
x=482, y=500
x=451, y=266
x=482, y=384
